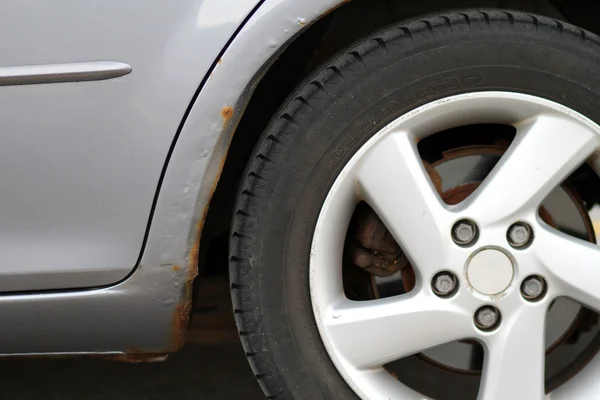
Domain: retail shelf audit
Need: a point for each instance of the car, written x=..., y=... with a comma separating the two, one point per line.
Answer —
x=402, y=192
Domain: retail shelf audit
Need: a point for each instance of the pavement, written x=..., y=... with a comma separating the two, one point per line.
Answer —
x=207, y=372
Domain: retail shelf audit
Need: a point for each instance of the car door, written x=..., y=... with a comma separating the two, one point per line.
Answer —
x=91, y=97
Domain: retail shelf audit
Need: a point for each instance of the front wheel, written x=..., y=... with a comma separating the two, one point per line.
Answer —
x=414, y=222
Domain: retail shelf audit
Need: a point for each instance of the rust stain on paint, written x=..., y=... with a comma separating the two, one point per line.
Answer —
x=227, y=113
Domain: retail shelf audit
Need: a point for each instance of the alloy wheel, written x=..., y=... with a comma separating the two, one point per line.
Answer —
x=486, y=269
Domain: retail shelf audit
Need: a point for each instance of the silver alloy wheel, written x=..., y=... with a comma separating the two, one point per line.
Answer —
x=387, y=173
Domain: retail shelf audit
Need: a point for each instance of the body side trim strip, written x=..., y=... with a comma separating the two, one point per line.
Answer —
x=57, y=73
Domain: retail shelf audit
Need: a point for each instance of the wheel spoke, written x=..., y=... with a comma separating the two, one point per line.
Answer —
x=574, y=261
x=372, y=333
x=514, y=361
x=394, y=183
x=544, y=152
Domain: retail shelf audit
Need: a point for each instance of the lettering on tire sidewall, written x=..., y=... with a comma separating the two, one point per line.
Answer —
x=445, y=85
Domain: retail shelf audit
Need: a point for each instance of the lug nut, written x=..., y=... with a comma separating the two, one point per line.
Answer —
x=464, y=232
x=533, y=288
x=444, y=284
x=487, y=318
x=519, y=235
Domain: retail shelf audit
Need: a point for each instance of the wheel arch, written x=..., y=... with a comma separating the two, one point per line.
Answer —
x=198, y=156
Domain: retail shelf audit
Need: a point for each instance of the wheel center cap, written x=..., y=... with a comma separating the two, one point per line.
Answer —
x=490, y=271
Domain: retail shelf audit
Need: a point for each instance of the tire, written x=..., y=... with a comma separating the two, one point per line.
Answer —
x=329, y=118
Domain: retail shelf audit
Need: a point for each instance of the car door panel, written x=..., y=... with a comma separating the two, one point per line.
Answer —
x=80, y=160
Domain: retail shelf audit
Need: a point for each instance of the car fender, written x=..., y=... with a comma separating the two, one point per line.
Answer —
x=198, y=156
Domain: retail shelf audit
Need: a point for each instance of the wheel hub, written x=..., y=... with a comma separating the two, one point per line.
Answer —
x=490, y=271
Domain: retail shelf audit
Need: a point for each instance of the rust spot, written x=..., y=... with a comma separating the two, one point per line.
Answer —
x=182, y=313
x=227, y=113
x=176, y=268
x=181, y=317
x=220, y=61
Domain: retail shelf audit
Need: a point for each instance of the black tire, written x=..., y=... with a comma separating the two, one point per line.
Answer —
x=324, y=123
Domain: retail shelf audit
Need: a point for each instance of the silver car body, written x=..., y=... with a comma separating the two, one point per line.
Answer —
x=116, y=118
